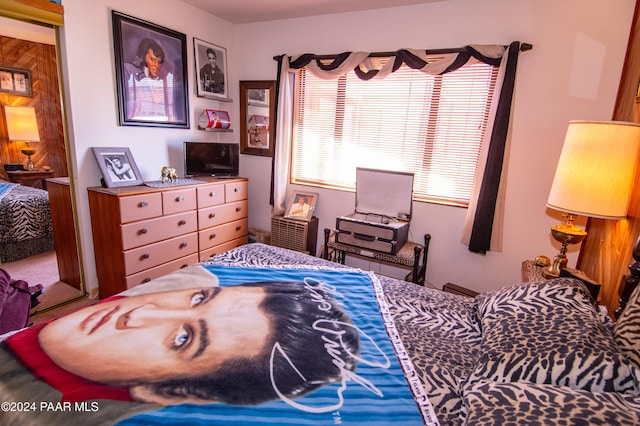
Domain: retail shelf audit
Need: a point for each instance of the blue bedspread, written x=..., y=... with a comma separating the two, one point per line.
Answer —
x=376, y=393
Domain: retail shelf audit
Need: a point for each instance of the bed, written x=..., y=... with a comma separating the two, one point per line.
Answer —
x=534, y=353
x=25, y=222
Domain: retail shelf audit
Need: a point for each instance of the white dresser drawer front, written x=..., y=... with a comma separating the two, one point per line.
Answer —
x=144, y=232
x=139, y=259
x=210, y=195
x=234, y=191
x=221, y=248
x=221, y=234
x=218, y=215
x=139, y=207
x=160, y=271
x=179, y=200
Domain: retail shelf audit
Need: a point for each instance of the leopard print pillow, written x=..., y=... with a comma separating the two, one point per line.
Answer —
x=627, y=329
x=549, y=333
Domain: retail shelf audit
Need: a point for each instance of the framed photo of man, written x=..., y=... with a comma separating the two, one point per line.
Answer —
x=301, y=206
x=117, y=166
x=151, y=73
x=211, y=70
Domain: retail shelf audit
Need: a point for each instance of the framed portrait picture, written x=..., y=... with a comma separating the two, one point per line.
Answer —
x=117, y=166
x=301, y=206
x=211, y=70
x=258, y=97
x=151, y=73
x=15, y=81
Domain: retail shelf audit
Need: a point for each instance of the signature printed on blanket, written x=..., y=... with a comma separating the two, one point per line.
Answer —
x=332, y=332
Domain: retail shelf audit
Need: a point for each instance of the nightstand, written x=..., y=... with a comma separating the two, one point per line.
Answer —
x=34, y=178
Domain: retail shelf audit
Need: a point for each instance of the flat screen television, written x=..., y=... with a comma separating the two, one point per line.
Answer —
x=211, y=159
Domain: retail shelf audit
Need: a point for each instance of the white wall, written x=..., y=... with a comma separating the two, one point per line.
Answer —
x=572, y=73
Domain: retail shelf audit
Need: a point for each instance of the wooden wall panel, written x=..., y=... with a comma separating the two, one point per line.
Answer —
x=40, y=59
x=606, y=252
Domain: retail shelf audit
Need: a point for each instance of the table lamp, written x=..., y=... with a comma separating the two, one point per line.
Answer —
x=594, y=178
x=23, y=127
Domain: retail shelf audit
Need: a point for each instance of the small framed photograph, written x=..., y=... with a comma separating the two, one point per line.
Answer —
x=258, y=97
x=117, y=166
x=15, y=81
x=151, y=73
x=211, y=70
x=301, y=206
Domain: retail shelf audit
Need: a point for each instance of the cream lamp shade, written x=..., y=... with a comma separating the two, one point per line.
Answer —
x=22, y=125
x=595, y=172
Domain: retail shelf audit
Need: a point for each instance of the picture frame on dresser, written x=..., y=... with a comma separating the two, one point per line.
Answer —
x=117, y=166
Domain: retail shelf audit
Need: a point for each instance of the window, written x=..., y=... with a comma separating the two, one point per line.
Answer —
x=432, y=126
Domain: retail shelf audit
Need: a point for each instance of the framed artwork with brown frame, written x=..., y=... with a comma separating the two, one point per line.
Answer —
x=15, y=81
x=117, y=166
x=151, y=73
x=301, y=206
x=257, y=112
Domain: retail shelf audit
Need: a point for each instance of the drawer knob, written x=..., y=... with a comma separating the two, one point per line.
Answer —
x=143, y=231
x=143, y=204
x=212, y=236
x=182, y=222
x=236, y=189
x=238, y=209
x=146, y=280
x=184, y=266
x=183, y=245
x=212, y=215
x=145, y=256
x=179, y=199
x=238, y=228
x=212, y=194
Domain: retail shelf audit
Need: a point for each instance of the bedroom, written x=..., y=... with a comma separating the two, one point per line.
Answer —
x=581, y=83
x=547, y=98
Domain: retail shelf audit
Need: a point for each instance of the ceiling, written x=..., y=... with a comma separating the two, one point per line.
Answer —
x=245, y=11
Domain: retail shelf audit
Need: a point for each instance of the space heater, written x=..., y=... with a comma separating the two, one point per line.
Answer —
x=294, y=234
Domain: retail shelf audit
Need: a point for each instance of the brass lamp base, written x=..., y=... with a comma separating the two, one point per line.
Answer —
x=564, y=233
x=29, y=153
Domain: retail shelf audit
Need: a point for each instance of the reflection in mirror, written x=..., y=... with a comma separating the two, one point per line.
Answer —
x=51, y=259
x=257, y=101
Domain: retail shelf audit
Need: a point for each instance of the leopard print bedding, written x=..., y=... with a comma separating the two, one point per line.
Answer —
x=454, y=344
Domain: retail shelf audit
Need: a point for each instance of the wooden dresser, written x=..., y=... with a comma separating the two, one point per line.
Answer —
x=141, y=233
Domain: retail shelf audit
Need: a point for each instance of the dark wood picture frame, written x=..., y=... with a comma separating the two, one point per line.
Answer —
x=210, y=89
x=15, y=81
x=150, y=60
x=255, y=137
x=117, y=166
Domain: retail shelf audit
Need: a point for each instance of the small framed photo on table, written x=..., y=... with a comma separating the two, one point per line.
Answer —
x=117, y=166
x=301, y=206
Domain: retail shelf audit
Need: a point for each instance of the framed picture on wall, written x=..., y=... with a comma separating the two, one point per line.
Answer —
x=117, y=166
x=15, y=81
x=211, y=70
x=151, y=73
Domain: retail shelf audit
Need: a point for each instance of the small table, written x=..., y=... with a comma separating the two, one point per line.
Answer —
x=408, y=256
x=34, y=178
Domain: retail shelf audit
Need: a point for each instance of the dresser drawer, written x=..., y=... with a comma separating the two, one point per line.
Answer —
x=139, y=259
x=218, y=215
x=234, y=191
x=221, y=234
x=179, y=200
x=221, y=248
x=210, y=195
x=139, y=207
x=160, y=271
x=143, y=232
